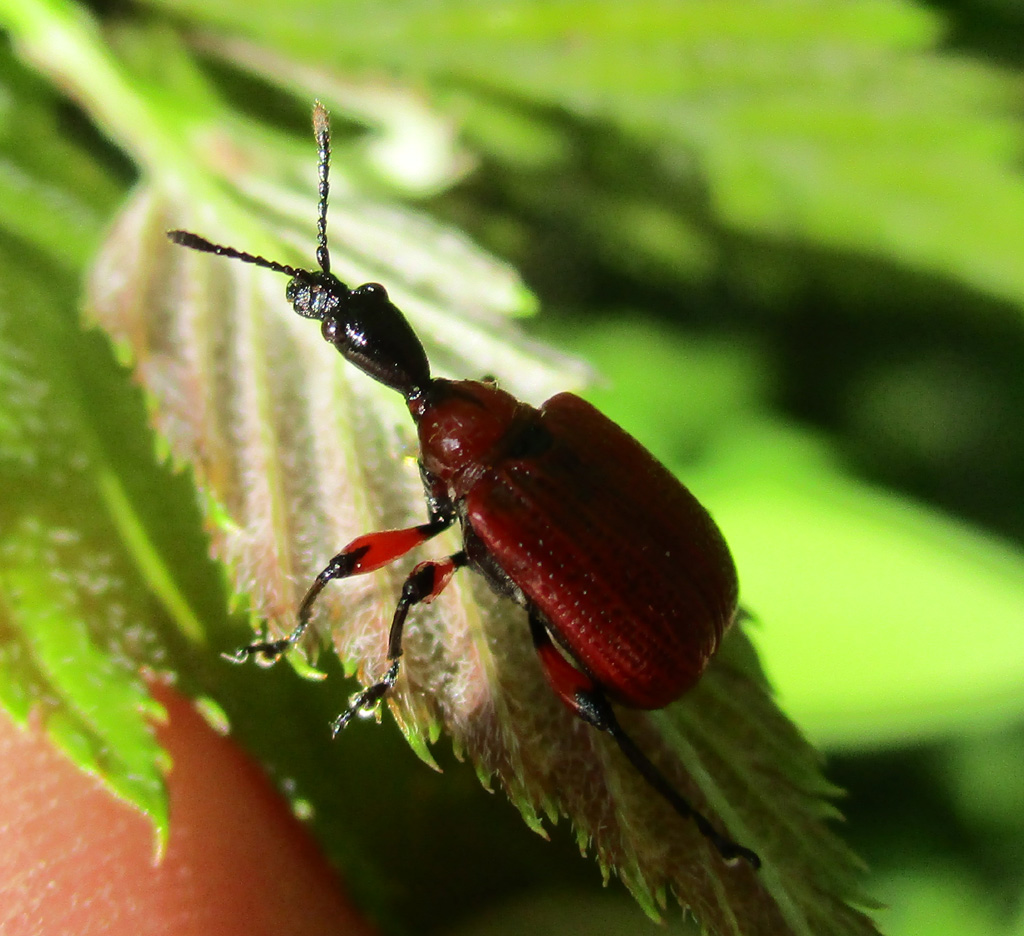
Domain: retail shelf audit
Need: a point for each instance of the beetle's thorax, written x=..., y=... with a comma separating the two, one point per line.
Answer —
x=464, y=427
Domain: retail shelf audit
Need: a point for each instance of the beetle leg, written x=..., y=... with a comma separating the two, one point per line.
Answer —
x=440, y=505
x=423, y=585
x=569, y=682
x=581, y=694
x=364, y=554
x=605, y=719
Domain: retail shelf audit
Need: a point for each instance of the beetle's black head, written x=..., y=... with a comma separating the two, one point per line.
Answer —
x=366, y=327
x=362, y=323
x=315, y=294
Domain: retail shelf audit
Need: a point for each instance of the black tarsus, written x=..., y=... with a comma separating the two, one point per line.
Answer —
x=595, y=708
x=341, y=566
x=418, y=586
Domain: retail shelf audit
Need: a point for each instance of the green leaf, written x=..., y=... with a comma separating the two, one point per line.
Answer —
x=100, y=713
x=925, y=638
x=52, y=194
x=936, y=900
x=73, y=609
x=802, y=123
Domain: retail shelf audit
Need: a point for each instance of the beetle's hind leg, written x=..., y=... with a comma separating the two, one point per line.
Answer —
x=604, y=718
x=363, y=554
x=423, y=585
x=581, y=694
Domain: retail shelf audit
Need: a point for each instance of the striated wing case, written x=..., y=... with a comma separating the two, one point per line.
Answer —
x=627, y=567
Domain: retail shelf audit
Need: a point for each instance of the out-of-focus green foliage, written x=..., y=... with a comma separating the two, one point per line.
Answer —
x=789, y=235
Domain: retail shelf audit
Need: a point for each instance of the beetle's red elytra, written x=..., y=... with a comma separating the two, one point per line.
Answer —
x=545, y=498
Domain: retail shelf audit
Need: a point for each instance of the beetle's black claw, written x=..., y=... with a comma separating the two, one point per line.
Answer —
x=243, y=653
x=338, y=725
x=362, y=702
x=367, y=700
x=270, y=651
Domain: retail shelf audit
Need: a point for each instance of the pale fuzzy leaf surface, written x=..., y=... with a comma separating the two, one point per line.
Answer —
x=296, y=454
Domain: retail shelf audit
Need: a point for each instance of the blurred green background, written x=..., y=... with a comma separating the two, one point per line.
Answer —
x=789, y=237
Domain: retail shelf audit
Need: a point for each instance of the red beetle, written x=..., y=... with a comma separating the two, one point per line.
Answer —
x=546, y=498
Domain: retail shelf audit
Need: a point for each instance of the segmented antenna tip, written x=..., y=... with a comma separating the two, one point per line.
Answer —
x=321, y=120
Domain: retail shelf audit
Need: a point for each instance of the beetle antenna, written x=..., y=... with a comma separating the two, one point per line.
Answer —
x=322, y=132
x=188, y=239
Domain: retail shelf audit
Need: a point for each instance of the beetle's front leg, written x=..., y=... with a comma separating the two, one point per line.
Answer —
x=423, y=585
x=363, y=554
